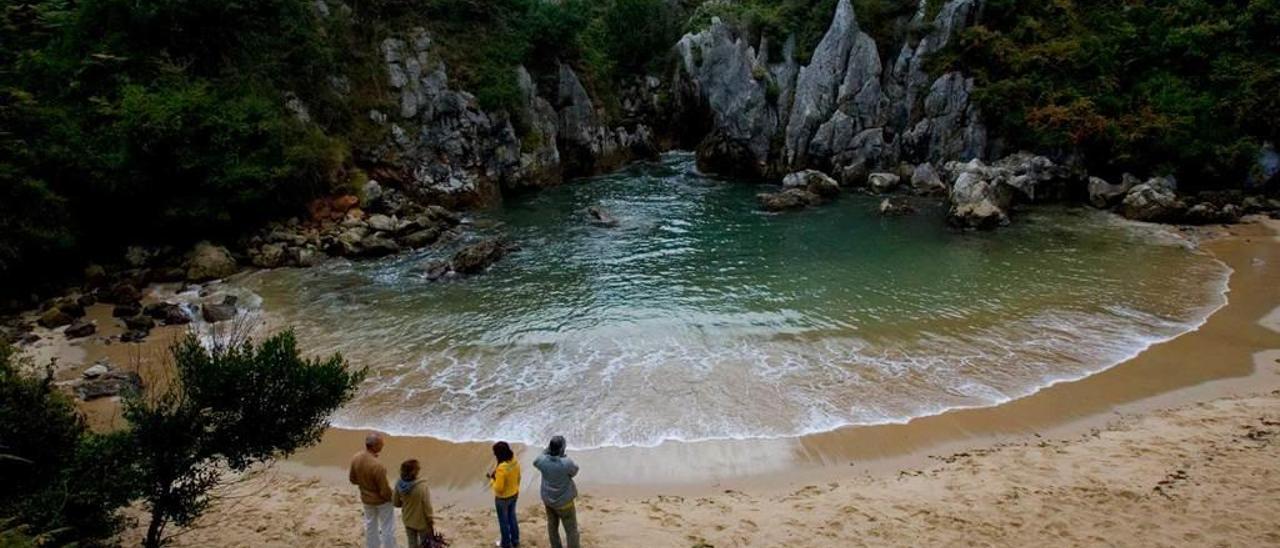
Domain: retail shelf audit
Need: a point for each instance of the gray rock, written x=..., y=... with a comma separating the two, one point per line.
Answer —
x=121, y=293
x=210, y=262
x=96, y=370
x=925, y=180
x=436, y=270
x=382, y=223
x=978, y=200
x=883, y=182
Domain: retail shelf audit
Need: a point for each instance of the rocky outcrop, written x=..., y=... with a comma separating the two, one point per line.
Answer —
x=813, y=181
x=791, y=198
x=800, y=190
x=725, y=77
x=883, y=182
x=1104, y=195
x=981, y=195
x=844, y=112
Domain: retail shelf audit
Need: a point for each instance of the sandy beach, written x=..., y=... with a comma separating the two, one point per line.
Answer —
x=1175, y=446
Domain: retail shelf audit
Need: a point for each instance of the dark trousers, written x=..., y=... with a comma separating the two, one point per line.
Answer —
x=567, y=515
x=507, y=524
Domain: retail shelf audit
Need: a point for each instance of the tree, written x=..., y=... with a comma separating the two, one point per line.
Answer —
x=230, y=407
x=60, y=480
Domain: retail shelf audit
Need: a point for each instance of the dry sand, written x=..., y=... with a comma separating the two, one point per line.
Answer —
x=1175, y=447
x=1200, y=475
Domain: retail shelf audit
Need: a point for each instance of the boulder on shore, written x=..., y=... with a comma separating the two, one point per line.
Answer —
x=54, y=317
x=169, y=313
x=1152, y=201
x=979, y=198
x=102, y=380
x=210, y=262
x=599, y=216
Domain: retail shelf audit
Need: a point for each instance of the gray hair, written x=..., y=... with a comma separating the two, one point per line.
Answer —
x=372, y=438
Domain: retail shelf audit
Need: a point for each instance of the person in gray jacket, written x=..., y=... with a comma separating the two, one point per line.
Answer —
x=558, y=492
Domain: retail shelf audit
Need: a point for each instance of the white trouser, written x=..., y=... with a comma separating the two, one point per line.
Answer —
x=380, y=526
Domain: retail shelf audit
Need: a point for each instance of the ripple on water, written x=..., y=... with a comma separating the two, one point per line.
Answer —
x=699, y=317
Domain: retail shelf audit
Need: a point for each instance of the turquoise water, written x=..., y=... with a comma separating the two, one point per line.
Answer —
x=699, y=317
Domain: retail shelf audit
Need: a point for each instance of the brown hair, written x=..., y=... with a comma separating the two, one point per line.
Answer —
x=409, y=470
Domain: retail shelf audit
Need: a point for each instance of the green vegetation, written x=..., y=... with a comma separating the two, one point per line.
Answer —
x=61, y=482
x=1185, y=87
x=228, y=408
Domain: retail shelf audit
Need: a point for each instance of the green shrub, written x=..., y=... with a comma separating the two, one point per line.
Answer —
x=60, y=480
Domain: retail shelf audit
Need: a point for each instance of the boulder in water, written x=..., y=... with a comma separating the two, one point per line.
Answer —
x=102, y=380
x=436, y=270
x=139, y=323
x=978, y=201
x=925, y=180
x=600, y=217
x=791, y=198
x=268, y=256
x=477, y=257
x=122, y=293
x=378, y=246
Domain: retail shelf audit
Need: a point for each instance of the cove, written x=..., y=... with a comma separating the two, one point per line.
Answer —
x=698, y=317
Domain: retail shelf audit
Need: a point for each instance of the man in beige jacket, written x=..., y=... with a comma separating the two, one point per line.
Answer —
x=379, y=514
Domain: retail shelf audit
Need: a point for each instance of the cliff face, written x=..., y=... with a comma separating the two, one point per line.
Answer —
x=846, y=112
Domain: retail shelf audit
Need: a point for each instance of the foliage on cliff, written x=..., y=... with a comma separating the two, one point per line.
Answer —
x=154, y=120
x=1185, y=87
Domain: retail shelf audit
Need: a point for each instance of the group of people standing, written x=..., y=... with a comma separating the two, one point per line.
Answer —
x=413, y=497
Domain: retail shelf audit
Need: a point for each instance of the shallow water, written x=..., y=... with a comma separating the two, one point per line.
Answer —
x=699, y=317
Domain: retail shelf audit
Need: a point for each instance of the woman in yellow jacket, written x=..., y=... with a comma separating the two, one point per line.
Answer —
x=505, y=481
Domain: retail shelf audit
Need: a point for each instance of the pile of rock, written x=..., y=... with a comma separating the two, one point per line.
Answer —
x=103, y=380
x=800, y=190
x=340, y=228
x=472, y=259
